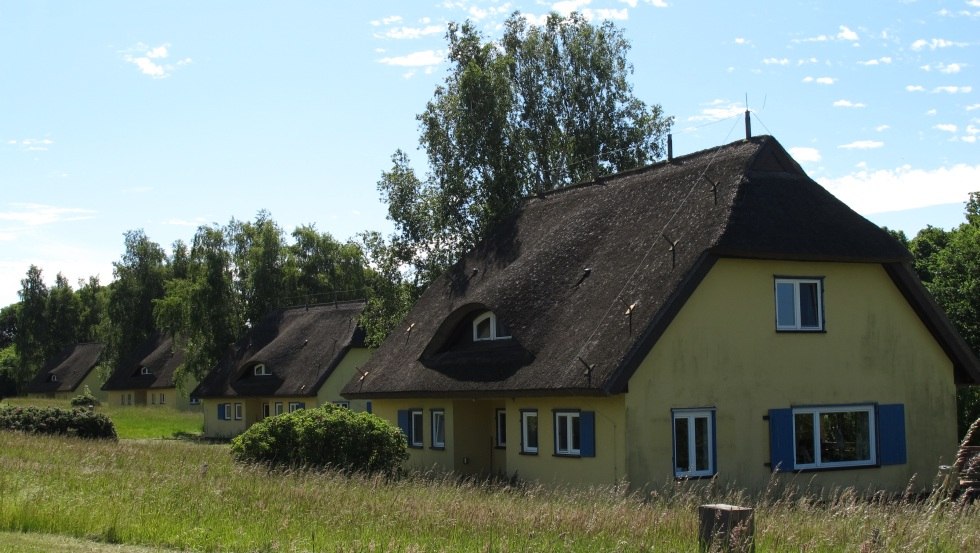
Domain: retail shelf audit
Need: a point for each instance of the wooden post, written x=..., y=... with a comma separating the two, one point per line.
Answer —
x=726, y=528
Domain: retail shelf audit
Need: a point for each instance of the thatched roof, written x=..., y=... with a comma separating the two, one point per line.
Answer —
x=65, y=371
x=300, y=346
x=158, y=355
x=564, y=272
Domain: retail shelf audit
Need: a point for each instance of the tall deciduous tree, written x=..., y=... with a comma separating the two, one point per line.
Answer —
x=140, y=276
x=33, y=334
x=259, y=255
x=92, y=307
x=62, y=314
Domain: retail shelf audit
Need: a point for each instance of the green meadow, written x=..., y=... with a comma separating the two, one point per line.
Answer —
x=65, y=494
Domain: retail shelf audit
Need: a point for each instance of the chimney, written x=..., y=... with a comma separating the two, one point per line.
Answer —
x=748, y=126
x=670, y=147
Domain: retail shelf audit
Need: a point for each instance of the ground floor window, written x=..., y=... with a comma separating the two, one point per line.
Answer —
x=344, y=404
x=501, y=428
x=694, y=442
x=529, y=431
x=238, y=411
x=438, y=428
x=163, y=398
x=416, y=435
x=568, y=433
x=265, y=410
x=837, y=436
x=278, y=410
x=296, y=406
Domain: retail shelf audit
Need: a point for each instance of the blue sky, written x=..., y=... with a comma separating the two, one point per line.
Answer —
x=164, y=116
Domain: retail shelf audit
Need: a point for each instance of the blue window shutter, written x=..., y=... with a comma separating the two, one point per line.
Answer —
x=586, y=421
x=781, y=439
x=369, y=407
x=221, y=412
x=714, y=443
x=302, y=405
x=891, y=434
x=405, y=422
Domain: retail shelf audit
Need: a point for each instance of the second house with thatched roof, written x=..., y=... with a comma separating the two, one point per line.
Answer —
x=718, y=315
x=150, y=377
x=292, y=359
x=69, y=373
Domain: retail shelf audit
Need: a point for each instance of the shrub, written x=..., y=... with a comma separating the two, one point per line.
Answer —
x=328, y=436
x=83, y=423
x=85, y=399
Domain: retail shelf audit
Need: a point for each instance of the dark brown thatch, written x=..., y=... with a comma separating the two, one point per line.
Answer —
x=300, y=347
x=587, y=278
x=159, y=356
x=64, y=372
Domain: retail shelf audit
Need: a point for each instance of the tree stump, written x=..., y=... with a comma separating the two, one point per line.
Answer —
x=726, y=528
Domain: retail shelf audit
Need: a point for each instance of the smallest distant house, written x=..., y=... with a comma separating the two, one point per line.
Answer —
x=67, y=374
x=148, y=378
x=294, y=358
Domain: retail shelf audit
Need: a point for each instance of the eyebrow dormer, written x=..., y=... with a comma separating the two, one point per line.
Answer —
x=487, y=327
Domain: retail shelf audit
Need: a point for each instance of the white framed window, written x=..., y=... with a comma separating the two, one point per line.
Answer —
x=278, y=408
x=833, y=437
x=145, y=371
x=799, y=304
x=195, y=400
x=296, y=406
x=226, y=407
x=415, y=437
x=53, y=378
x=438, y=428
x=163, y=398
x=529, y=431
x=266, y=410
x=568, y=433
x=261, y=370
x=344, y=404
x=694, y=442
x=488, y=327
x=153, y=398
x=238, y=411
x=501, y=428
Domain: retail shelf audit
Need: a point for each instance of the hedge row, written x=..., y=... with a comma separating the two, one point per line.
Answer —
x=328, y=436
x=83, y=423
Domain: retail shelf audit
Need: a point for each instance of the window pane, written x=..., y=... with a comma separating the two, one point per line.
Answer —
x=483, y=329
x=502, y=330
x=809, y=305
x=803, y=426
x=682, y=461
x=417, y=427
x=701, y=438
x=576, y=433
x=532, y=430
x=501, y=428
x=845, y=437
x=438, y=428
x=562, y=433
x=785, y=304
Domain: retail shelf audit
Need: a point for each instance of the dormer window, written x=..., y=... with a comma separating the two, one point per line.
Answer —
x=261, y=370
x=53, y=378
x=145, y=371
x=488, y=327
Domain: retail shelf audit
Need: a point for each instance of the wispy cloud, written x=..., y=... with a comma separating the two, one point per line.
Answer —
x=953, y=89
x=848, y=104
x=915, y=88
x=805, y=154
x=399, y=33
x=847, y=34
x=948, y=69
x=882, y=128
x=776, y=61
x=415, y=59
x=973, y=107
x=742, y=41
x=385, y=21
x=843, y=33
x=31, y=144
x=935, y=43
x=717, y=110
x=862, y=145
x=884, y=60
x=946, y=127
x=820, y=80
x=151, y=60
x=33, y=215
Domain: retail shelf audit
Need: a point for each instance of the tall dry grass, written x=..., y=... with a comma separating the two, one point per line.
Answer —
x=189, y=496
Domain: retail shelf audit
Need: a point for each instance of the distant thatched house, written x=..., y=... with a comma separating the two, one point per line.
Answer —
x=149, y=377
x=68, y=373
x=292, y=359
x=716, y=315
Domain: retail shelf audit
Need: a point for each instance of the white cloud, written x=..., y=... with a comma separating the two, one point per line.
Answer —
x=948, y=69
x=862, y=145
x=399, y=33
x=953, y=89
x=805, y=154
x=776, y=61
x=882, y=128
x=846, y=34
x=884, y=60
x=158, y=52
x=386, y=21
x=904, y=188
x=415, y=59
x=658, y=3
x=848, y=104
x=606, y=14
x=32, y=144
x=820, y=80
x=945, y=127
x=717, y=110
x=741, y=41
x=932, y=112
x=973, y=107
x=935, y=43
x=566, y=7
x=149, y=60
x=805, y=61
x=915, y=88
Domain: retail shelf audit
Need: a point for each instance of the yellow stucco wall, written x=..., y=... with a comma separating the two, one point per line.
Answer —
x=345, y=370
x=471, y=439
x=722, y=351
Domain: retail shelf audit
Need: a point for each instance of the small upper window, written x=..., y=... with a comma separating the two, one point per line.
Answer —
x=54, y=378
x=261, y=370
x=799, y=304
x=145, y=370
x=488, y=327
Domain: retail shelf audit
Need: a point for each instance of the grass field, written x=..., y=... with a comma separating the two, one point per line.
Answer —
x=134, y=422
x=182, y=495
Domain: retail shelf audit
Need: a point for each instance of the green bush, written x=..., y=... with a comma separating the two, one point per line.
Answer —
x=328, y=436
x=85, y=399
x=83, y=423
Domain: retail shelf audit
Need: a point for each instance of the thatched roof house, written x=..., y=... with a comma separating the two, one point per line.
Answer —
x=68, y=372
x=148, y=377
